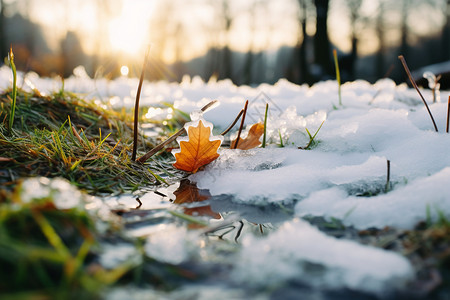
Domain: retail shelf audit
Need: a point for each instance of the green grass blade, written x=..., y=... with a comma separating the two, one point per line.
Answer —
x=338, y=74
x=14, y=90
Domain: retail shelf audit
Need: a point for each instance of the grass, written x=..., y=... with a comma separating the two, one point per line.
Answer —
x=47, y=251
x=312, y=142
x=338, y=75
x=62, y=135
x=14, y=89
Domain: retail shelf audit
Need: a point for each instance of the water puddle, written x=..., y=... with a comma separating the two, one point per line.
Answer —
x=186, y=205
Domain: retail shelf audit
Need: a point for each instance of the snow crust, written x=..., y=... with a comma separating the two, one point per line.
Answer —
x=299, y=251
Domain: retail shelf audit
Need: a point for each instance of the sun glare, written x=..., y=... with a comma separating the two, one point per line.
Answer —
x=128, y=32
x=124, y=70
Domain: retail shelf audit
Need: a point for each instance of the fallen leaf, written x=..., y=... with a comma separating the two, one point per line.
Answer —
x=252, y=139
x=198, y=148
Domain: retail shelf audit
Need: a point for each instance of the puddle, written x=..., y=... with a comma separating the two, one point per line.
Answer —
x=217, y=216
x=181, y=238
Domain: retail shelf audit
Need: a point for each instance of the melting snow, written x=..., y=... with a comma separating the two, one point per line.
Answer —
x=299, y=251
x=377, y=122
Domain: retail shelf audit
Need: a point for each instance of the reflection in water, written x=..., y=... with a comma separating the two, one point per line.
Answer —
x=228, y=220
x=187, y=194
x=233, y=216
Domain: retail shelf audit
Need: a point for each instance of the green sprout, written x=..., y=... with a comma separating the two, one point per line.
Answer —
x=338, y=74
x=14, y=90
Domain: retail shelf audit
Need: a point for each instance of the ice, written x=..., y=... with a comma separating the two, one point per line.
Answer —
x=300, y=252
x=196, y=115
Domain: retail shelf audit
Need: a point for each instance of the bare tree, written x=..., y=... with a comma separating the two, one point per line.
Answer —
x=298, y=72
x=446, y=33
x=227, y=19
x=355, y=14
x=249, y=57
x=304, y=72
x=3, y=46
x=380, y=29
x=404, y=47
x=322, y=52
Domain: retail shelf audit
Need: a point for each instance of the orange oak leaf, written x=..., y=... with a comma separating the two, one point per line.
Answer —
x=252, y=139
x=198, y=148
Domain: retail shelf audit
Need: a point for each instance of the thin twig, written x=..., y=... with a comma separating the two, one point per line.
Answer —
x=388, y=177
x=160, y=146
x=242, y=125
x=234, y=123
x=448, y=112
x=136, y=106
x=140, y=203
x=408, y=72
x=265, y=126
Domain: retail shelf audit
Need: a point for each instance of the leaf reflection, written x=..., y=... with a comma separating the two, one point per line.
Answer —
x=188, y=193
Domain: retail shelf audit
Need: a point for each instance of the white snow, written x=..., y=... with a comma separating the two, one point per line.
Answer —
x=168, y=244
x=301, y=252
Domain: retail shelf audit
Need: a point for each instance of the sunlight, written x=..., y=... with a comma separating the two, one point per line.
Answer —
x=124, y=70
x=128, y=32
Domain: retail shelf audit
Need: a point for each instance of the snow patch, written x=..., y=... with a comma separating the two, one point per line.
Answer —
x=300, y=252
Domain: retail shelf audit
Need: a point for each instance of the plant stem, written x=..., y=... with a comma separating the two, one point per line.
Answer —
x=242, y=125
x=338, y=74
x=136, y=106
x=160, y=146
x=388, y=177
x=234, y=123
x=14, y=89
x=408, y=72
x=448, y=113
x=265, y=126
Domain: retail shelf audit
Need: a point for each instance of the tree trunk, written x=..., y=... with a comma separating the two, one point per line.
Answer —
x=446, y=35
x=226, y=51
x=379, y=59
x=321, y=42
x=304, y=72
x=404, y=47
x=3, y=45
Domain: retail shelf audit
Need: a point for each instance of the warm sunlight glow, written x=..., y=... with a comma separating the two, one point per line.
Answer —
x=128, y=32
x=124, y=70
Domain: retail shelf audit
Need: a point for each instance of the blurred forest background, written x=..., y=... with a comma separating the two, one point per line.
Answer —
x=247, y=41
